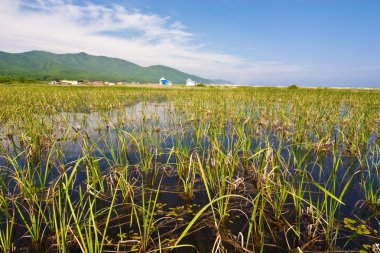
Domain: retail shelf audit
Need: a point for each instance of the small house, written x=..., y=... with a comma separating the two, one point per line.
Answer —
x=72, y=82
x=97, y=83
x=164, y=81
x=190, y=82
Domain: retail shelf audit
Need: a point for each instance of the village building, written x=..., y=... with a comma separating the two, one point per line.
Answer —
x=97, y=83
x=72, y=82
x=164, y=81
x=190, y=82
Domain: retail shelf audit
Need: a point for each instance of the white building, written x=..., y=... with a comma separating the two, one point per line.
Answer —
x=190, y=82
x=72, y=82
x=164, y=81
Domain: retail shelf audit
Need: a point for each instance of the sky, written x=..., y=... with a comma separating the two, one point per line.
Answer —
x=250, y=42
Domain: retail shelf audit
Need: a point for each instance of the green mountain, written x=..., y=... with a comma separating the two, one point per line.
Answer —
x=48, y=66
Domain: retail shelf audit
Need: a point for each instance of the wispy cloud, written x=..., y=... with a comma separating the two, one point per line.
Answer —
x=113, y=30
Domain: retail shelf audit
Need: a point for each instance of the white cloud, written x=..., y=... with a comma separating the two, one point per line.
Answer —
x=63, y=26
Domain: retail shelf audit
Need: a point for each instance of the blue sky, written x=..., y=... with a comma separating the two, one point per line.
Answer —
x=266, y=42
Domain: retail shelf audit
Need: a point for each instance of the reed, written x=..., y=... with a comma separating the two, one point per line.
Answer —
x=95, y=169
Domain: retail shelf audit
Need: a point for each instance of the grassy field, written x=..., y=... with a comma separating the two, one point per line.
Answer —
x=208, y=169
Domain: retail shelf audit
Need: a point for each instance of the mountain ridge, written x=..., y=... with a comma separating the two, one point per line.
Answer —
x=44, y=65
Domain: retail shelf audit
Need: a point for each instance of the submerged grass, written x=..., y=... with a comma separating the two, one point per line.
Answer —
x=117, y=169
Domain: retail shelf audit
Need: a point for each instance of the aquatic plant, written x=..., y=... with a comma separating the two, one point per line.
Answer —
x=149, y=169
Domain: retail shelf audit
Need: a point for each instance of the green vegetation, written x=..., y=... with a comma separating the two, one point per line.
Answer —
x=17, y=80
x=217, y=169
x=48, y=66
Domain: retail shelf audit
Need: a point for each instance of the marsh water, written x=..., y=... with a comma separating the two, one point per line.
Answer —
x=152, y=140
